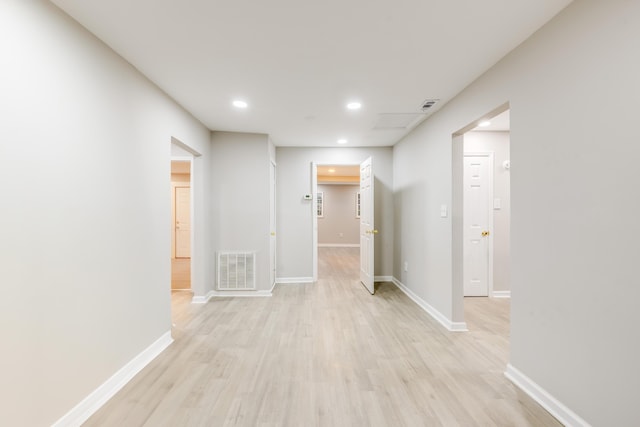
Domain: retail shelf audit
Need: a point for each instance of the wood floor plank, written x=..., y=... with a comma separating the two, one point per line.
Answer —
x=327, y=354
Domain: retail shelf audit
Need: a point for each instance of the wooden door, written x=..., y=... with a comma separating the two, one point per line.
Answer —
x=183, y=222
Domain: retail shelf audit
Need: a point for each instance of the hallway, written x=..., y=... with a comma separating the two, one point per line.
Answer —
x=326, y=354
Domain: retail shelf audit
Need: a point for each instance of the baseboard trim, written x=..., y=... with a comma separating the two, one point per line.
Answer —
x=556, y=408
x=383, y=278
x=338, y=245
x=297, y=280
x=229, y=294
x=94, y=401
x=441, y=318
x=501, y=294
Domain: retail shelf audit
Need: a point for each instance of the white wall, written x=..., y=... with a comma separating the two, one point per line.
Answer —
x=240, y=195
x=498, y=144
x=85, y=246
x=573, y=89
x=339, y=225
x=294, y=214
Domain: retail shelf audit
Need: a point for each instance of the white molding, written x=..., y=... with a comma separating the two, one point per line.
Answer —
x=556, y=408
x=297, y=280
x=501, y=294
x=94, y=401
x=222, y=294
x=338, y=245
x=199, y=299
x=444, y=321
x=383, y=279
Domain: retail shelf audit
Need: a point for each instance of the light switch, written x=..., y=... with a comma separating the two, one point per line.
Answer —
x=443, y=211
x=497, y=204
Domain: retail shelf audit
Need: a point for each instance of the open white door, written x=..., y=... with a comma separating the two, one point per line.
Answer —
x=367, y=230
x=272, y=222
x=314, y=216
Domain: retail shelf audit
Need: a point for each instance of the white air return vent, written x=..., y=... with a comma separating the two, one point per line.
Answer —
x=397, y=121
x=428, y=104
x=236, y=270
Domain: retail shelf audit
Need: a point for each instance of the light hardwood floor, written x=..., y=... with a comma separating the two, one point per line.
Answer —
x=326, y=354
x=180, y=273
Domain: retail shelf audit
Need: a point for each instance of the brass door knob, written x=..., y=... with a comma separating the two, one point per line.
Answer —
x=374, y=231
x=485, y=233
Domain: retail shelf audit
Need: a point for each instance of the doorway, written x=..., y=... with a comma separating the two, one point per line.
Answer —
x=180, y=224
x=337, y=215
x=481, y=207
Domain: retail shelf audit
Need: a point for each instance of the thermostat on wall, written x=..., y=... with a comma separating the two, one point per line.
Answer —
x=307, y=197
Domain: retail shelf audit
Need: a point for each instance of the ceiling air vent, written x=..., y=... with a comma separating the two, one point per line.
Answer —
x=428, y=104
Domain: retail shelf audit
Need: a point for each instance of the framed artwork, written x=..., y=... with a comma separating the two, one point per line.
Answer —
x=320, y=203
x=358, y=204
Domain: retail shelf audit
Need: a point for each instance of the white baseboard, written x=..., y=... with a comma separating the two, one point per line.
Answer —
x=90, y=404
x=383, y=279
x=338, y=245
x=556, y=408
x=501, y=294
x=222, y=294
x=286, y=280
x=444, y=321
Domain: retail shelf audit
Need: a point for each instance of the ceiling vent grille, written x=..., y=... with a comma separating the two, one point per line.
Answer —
x=428, y=104
x=236, y=270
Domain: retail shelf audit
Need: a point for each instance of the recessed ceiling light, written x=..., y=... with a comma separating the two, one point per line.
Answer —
x=240, y=104
x=354, y=106
x=332, y=170
x=342, y=141
x=484, y=123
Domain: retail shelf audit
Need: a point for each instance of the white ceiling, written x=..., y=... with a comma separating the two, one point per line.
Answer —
x=298, y=62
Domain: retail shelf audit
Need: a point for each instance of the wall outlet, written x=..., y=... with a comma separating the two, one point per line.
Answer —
x=340, y=234
x=406, y=266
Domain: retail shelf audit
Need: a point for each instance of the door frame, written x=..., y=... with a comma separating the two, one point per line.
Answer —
x=191, y=217
x=197, y=184
x=490, y=156
x=314, y=207
x=457, y=170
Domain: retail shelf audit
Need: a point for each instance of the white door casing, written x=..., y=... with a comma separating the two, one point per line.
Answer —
x=367, y=228
x=183, y=222
x=272, y=219
x=314, y=219
x=477, y=223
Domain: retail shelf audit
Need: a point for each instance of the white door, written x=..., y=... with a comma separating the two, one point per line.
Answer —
x=314, y=219
x=367, y=230
x=477, y=220
x=183, y=222
x=272, y=219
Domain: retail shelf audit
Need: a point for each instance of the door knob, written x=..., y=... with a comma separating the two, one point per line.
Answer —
x=374, y=231
x=485, y=233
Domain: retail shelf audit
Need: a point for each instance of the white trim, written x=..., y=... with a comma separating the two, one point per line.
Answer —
x=94, y=401
x=444, y=321
x=199, y=299
x=287, y=280
x=501, y=294
x=338, y=245
x=226, y=294
x=383, y=279
x=556, y=408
